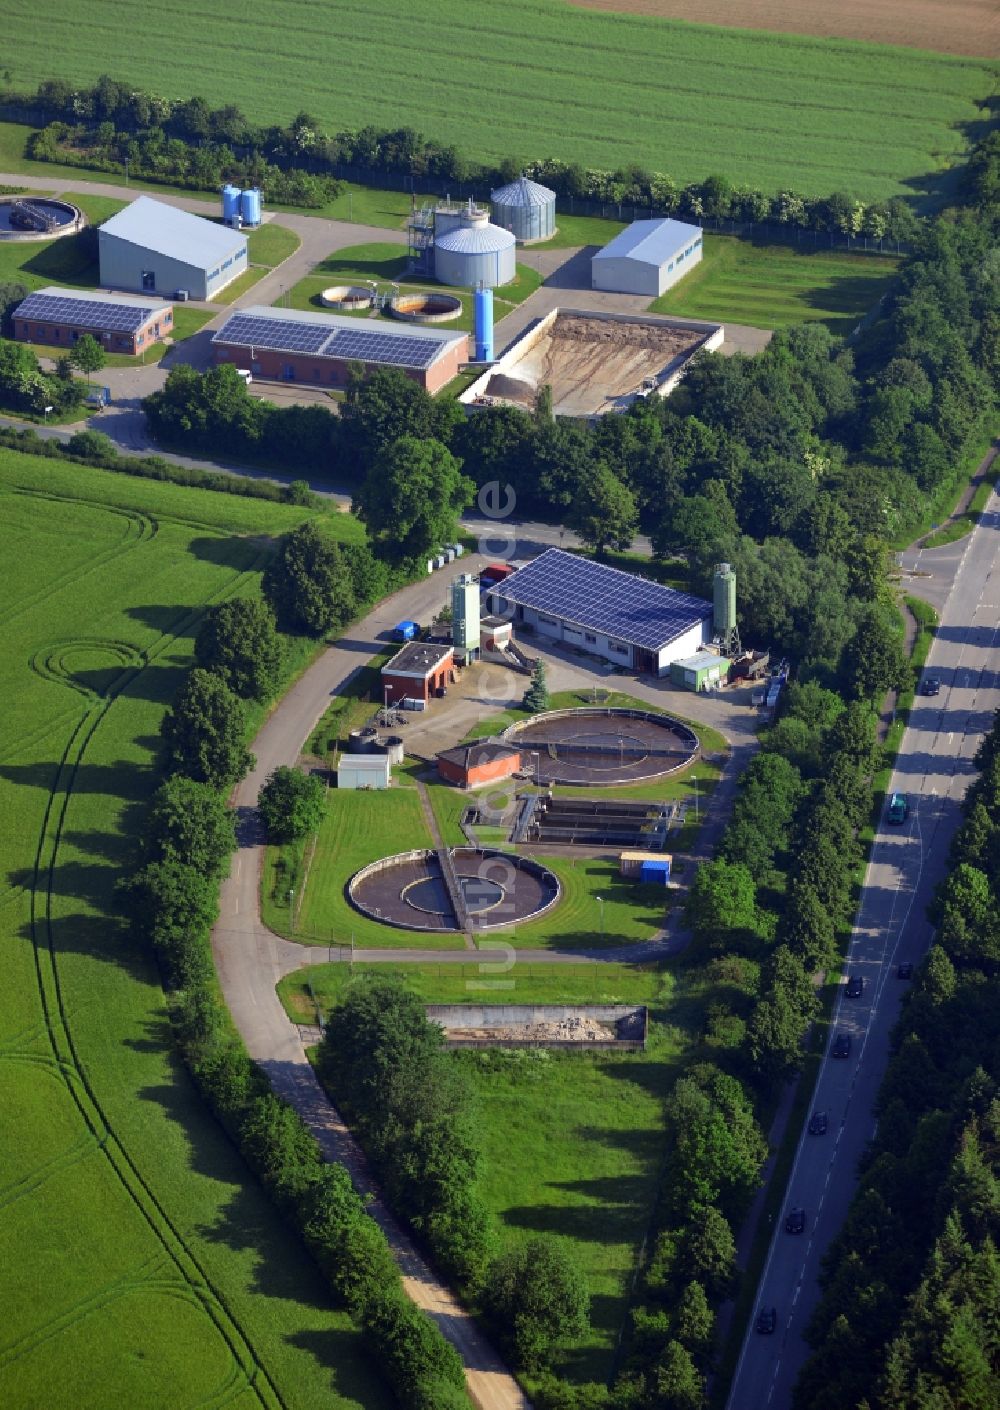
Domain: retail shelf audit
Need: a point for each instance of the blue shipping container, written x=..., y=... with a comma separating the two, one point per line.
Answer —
x=405, y=631
x=657, y=873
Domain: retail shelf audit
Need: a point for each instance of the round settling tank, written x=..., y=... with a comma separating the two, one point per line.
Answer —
x=425, y=308
x=348, y=296
x=526, y=209
x=30, y=217
x=231, y=204
x=250, y=205
x=475, y=256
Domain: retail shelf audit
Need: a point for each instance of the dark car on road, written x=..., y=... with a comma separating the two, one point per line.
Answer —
x=842, y=1045
x=767, y=1320
x=930, y=685
x=796, y=1221
x=855, y=986
x=899, y=808
x=818, y=1123
x=904, y=971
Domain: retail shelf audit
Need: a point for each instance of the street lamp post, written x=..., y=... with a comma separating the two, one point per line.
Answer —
x=600, y=903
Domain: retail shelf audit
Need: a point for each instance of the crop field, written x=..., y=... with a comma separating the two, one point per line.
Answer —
x=542, y=77
x=139, y=1263
x=572, y=1143
x=771, y=286
x=948, y=26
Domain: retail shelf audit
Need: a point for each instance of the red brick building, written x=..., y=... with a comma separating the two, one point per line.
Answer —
x=121, y=323
x=418, y=672
x=287, y=345
x=485, y=761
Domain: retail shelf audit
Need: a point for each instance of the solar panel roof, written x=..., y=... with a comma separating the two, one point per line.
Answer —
x=109, y=317
x=345, y=339
x=602, y=599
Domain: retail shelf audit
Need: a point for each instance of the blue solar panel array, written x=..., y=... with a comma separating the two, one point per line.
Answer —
x=602, y=599
x=108, y=317
x=362, y=344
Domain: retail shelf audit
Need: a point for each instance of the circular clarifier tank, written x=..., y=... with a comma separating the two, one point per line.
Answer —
x=426, y=308
x=31, y=217
x=346, y=296
x=412, y=891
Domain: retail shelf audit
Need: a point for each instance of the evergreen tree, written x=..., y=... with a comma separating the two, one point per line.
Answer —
x=536, y=697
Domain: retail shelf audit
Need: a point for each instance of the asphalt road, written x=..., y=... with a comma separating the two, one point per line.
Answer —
x=933, y=768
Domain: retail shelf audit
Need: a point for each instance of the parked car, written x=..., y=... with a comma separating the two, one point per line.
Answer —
x=796, y=1221
x=899, y=808
x=904, y=971
x=818, y=1123
x=767, y=1320
x=930, y=685
x=842, y=1045
x=855, y=986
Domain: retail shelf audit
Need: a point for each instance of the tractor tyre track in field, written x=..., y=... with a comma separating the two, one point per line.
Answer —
x=195, y=1284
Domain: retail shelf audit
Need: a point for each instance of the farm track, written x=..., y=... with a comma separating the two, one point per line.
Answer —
x=194, y=1285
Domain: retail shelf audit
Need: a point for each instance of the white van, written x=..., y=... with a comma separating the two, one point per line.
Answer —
x=245, y=375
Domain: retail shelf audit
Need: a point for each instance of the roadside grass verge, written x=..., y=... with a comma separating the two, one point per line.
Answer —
x=964, y=523
x=948, y=496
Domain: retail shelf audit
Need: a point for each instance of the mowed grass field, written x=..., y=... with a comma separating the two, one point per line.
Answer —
x=542, y=78
x=772, y=286
x=572, y=1143
x=140, y=1265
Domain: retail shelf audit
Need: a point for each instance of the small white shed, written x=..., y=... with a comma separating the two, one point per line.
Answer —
x=647, y=257
x=363, y=771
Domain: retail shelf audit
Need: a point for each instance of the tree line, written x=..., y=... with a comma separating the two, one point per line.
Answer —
x=911, y=1284
x=172, y=899
x=189, y=141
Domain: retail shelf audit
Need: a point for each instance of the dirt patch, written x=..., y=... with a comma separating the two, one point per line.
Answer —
x=593, y=365
x=563, y=1030
x=969, y=27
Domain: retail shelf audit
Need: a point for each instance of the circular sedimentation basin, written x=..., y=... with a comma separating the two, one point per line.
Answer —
x=348, y=296
x=426, y=308
x=64, y=218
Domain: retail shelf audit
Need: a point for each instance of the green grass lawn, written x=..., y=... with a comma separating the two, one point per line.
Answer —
x=776, y=110
x=572, y=1143
x=271, y=244
x=385, y=263
x=35, y=264
x=139, y=1263
x=770, y=286
x=97, y=209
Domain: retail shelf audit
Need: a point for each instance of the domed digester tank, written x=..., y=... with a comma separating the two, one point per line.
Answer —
x=475, y=256
x=250, y=204
x=231, y=204
x=525, y=208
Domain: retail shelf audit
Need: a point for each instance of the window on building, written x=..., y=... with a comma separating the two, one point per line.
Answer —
x=589, y=636
x=168, y=318
x=148, y=279
x=620, y=648
x=549, y=621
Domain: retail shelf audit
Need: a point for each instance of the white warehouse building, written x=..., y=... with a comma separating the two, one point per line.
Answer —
x=647, y=258
x=153, y=248
x=603, y=611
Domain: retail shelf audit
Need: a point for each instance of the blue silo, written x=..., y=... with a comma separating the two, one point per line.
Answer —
x=482, y=307
x=231, y=204
x=526, y=209
x=250, y=207
x=475, y=255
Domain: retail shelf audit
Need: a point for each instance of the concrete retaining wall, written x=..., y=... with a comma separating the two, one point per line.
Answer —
x=632, y=1018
